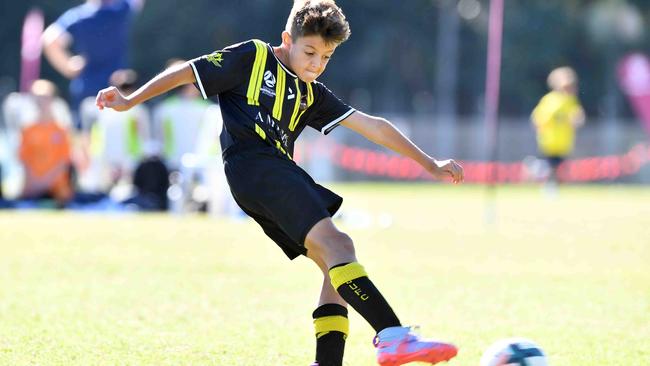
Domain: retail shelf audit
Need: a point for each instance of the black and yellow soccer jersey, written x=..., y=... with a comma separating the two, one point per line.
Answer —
x=261, y=100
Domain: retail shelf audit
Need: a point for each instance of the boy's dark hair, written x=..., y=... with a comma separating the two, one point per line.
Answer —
x=318, y=17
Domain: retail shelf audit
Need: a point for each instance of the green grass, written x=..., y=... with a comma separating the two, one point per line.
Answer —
x=572, y=273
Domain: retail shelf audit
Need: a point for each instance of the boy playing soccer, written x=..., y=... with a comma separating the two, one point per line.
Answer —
x=268, y=95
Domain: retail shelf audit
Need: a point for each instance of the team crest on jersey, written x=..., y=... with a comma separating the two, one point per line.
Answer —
x=216, y=58
x=303, y=103
x=269, y=79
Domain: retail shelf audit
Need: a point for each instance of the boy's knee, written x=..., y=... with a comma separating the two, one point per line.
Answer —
x=334, y=243
x=344, y=242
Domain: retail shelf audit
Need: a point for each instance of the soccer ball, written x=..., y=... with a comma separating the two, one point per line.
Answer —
x=514, y=352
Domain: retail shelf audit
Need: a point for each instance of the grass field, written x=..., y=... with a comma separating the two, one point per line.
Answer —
x=572, y=273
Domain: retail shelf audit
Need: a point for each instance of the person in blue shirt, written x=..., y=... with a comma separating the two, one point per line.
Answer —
x=89, y=42
x=268, y=96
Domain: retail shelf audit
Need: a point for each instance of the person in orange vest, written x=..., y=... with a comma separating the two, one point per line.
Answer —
x=45, y=151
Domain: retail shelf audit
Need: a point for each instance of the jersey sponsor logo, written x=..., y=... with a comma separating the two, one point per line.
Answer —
x=291, y=94
x=215, y=58
x=266, y=119
x=269, y=79
x=268, y=91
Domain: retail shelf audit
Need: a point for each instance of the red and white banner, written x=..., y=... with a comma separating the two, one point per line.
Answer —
x=380, y=164
x=634, y=78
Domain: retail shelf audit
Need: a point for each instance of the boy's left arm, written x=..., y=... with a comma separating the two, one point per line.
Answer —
x=382, y=132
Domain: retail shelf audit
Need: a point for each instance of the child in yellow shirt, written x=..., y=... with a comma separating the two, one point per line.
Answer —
x=556, y=118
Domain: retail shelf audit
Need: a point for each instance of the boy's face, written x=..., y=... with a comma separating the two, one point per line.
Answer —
x=308, y=55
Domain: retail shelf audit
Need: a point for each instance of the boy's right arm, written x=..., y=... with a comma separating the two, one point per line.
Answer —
x=169, y=79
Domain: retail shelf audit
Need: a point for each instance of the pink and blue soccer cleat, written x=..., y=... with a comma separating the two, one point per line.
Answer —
x=399, y=345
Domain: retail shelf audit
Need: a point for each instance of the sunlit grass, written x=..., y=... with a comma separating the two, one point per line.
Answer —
x=570, y=272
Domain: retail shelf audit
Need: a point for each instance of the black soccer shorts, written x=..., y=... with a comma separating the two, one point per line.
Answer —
x=279, y=195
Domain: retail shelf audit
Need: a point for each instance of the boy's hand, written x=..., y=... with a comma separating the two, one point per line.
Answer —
x=112, y=98
x=446, y=168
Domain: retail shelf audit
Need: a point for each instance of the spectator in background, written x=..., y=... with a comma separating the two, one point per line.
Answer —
x=150, y=184
x=20, y=111
x=45, y=151
x=89, y=42
x=556, y=118
x=187, y=127
x=115, y=141
x=180, y=120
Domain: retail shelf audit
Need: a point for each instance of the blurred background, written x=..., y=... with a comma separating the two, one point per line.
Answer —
x=419, y=63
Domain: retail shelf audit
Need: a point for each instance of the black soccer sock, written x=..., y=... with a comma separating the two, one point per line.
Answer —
x=352, y=283
x=332, y=327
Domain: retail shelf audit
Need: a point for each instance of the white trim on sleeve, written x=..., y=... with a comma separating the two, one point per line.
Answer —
x=330, y=126
x=198, y=80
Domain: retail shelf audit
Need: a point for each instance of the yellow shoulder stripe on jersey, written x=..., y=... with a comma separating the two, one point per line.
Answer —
x=296, y=108
x=250, y=93
x=279, y=93
x=310, y=101
x=334, y=323
x=257, y=74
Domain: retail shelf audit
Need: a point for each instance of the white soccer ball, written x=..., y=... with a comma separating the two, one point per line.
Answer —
x=514, y=352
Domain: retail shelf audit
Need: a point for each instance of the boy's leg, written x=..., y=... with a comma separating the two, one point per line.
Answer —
x=330, y=323
x=396, y=345
x=348, y=276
